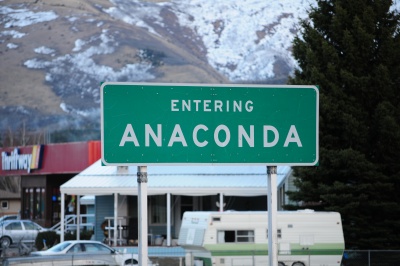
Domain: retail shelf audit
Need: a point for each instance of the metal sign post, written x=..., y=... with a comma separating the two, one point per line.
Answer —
x=272, y=217
x=142, y=205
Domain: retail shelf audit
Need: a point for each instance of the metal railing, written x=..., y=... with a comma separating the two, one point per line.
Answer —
x=71, y=222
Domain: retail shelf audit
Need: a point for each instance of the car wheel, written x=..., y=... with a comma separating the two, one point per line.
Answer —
x=5, y=242
x=298, y=264
x=131, y=262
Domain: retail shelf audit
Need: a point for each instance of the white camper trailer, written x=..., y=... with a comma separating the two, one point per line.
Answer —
x=305, y=238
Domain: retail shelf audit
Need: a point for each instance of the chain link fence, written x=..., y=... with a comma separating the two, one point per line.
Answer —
x=350, y=258
x=176, y=257
x=371, y=258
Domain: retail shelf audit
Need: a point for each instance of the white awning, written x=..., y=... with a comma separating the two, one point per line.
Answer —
x=87, y=200
x=177, y=180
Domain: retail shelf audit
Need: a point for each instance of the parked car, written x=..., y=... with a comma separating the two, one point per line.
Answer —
x=8, y=217
x=76, y=246
x=92, y=249
x=14, y=231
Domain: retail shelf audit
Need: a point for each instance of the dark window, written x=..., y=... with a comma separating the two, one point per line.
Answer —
x=245, y=236
x=14, y=226
x=158, y=210
x=29, y=226
x=4, y=204
x=279, y=233
x=233, y=236
x=34, y=203
x=229, y=236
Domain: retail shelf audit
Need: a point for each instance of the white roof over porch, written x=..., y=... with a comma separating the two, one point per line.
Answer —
x=177, y=180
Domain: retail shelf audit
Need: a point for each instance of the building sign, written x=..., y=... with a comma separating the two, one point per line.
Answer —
x=16, y=161
x=145, y=123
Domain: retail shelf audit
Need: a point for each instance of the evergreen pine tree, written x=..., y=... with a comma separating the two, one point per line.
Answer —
x=351, y=49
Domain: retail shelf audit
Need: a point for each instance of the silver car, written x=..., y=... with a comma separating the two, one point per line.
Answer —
x=92, y=250
x=76, y=246
x=14, y=231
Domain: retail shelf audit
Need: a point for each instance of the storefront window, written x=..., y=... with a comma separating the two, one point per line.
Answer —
x=34, y=203
x=27, y=211
x=55, y=206
x=40, y=198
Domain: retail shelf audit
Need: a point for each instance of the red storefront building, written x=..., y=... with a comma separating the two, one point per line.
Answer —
x=42, y=169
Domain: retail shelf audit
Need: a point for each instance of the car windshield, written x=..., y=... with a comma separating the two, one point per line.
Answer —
x=94, y=247
x=59, y=247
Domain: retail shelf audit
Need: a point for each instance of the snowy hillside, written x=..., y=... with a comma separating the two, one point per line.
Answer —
x=55, y=53
x=243, y=39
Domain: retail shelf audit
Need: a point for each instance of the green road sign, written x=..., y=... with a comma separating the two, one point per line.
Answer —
x=148, y=123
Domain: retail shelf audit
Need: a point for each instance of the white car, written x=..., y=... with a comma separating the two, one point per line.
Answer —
x=92, y=249
x=8, y=217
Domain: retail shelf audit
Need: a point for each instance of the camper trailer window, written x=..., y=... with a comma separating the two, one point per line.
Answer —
x=233, y=236
x=279, y=233
x=245, y=236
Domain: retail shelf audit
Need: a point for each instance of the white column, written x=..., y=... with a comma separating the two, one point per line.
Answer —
x=272, y=217
x=221, y=202
x=115, y=219
x=62, y=220
x=168, y=219
x=78, y=217
x=142, y=219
